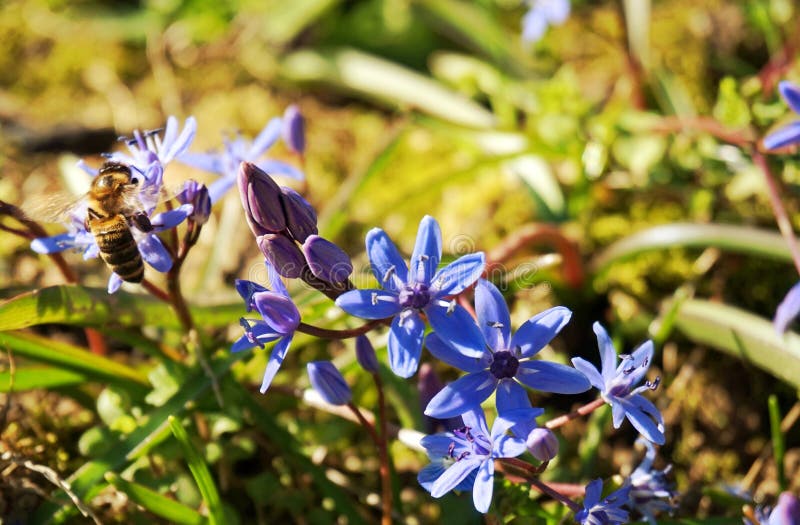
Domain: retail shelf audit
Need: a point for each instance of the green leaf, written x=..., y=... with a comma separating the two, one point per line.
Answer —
x=33, y=377
x=72, y=358
x=385, y=81
x=199, y=469
x=152, y=501
x=88, y=479
x=741, y=334
x=740, y=239
x=76, y=305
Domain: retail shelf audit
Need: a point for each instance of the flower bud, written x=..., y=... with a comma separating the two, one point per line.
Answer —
x=283, y=254
x=787, y=510
x=543, y=444
x=301, y=219
x=365, y=354
x=246, y=290
x=278, y=311
x=326, y=260
x=329, y=383
x=196, y=194
x=261, y=198
x=294, y=130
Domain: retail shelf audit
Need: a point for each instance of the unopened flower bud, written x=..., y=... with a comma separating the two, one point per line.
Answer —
x=278, y=311
x=301, y=219
x=543, y=444
x=261, y=198
x=365, y=354
x=196, y=194
x=294, y=130
x=787, y=510
x=283, y=254
x=329, y=383
x=326, y=260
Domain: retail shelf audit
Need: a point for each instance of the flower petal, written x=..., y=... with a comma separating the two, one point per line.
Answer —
x=645, y=417
x=178, y=145
x=56, y=243
x=388, y=265
x=512, y=400
x=405, y=344
x=154, y=253
x=461, y=395
x=114, y=282
x=791, y=94
x=454, y=325
x=453, y=476
x=493, y=317
x=278, y=311
x=444, y=352
x=459, y=274
x=275, y=360
x=369, y=304
x=540, y=330
x=635, y=366
x=785, y=313
x=593, y=491
x=427, y=251
x=552, y=377
x=326, y=379
x=266, y=138
x=210, y=162
x=430, y=473
x=276, y=167
x=171, y=218
x=587, y=369
x=218, y=188
x=789, y=134
x=484, y=485
x=608, y=354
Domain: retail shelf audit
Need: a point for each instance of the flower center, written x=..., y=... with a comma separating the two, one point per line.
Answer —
x=504, y=365
x=415, y=296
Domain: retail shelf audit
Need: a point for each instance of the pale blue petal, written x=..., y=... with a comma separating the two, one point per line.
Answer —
x=437, y=445
x=484, y=485
x=791, y=94
x=635, y=366
x=608, y=354
x=210, y=162
x=552, y=377
x=54, y=244
x=454, y=475
x=618, y=412
x=274, y=279
x=644, y=417
x=461, y=395
x=182, y=142
x=789, y=134
x=275, y=360
x=458, y=275
x=276, y=167
x=388, y=265
x=493, y=317
x=265, y=139
x=114, y=282
x=171, y=218
x=369, y=304
x=540, y=330
x=785, y=314
x=591, y=373
x=154, y=253
x=427, y=251
x=593, y=492
x=218, y=188
x=405, y=344
x=512, y=399
x=454, y=325
x=444, y=352
x=474, y=418
x=430, y=473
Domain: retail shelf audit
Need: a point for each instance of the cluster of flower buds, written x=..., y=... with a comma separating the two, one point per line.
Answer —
x=285, y=227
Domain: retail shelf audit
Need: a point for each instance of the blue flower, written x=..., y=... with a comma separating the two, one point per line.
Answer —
x=464, y=458
x=501, y=362
x=651, y=492
x=616, y=385
x=787, y=310
x=279, y=320
x=786, y=512
x=408, y=293
x=540, y=15
x=329, y=383
x=605, y=512
x=789, y=134
x=226, y=163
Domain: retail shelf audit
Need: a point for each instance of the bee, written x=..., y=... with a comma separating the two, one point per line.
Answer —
x=112, y=209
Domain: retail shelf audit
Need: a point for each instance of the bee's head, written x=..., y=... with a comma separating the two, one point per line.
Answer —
x=114, y=176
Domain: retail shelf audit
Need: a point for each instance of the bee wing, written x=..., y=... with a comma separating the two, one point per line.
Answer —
x=56, y=207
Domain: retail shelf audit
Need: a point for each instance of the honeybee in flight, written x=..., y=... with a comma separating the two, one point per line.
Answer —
x=112, y=209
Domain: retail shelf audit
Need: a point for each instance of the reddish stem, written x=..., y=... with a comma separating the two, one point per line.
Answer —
x=672, y=124
x=580, y=412
x=326, y=333
x=380, y=444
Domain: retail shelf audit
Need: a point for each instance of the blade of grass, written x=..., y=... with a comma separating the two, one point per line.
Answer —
x=778, y=444
x=31, y=378
x=158, y=504
x=199, y=469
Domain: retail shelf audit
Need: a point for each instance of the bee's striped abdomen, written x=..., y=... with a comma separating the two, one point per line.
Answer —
x=118, y=247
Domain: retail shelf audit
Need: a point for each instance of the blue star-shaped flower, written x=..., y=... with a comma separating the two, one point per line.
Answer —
x=226, y=163
x=411, y=291
x=501, y=362
x=279, y=319
x=464, y=458
x=616, y=385
x=789, y=134
x=605, y=512
x=651, y=492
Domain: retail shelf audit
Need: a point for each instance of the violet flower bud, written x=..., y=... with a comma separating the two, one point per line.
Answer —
x=365, y=354
x=283, y=254
x=294, y=130
x=278, y=311
x=301, y=218
x=787, y=511
x=261, y=198
x=326, y=260
x=329, y=383
x=542, y=443
x=196, y=194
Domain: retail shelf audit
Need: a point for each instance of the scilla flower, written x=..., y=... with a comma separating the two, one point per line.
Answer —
x=409, y=292
x=607, y=511
x=790, y=133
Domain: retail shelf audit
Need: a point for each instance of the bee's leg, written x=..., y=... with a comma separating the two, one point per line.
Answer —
x=142, y=222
